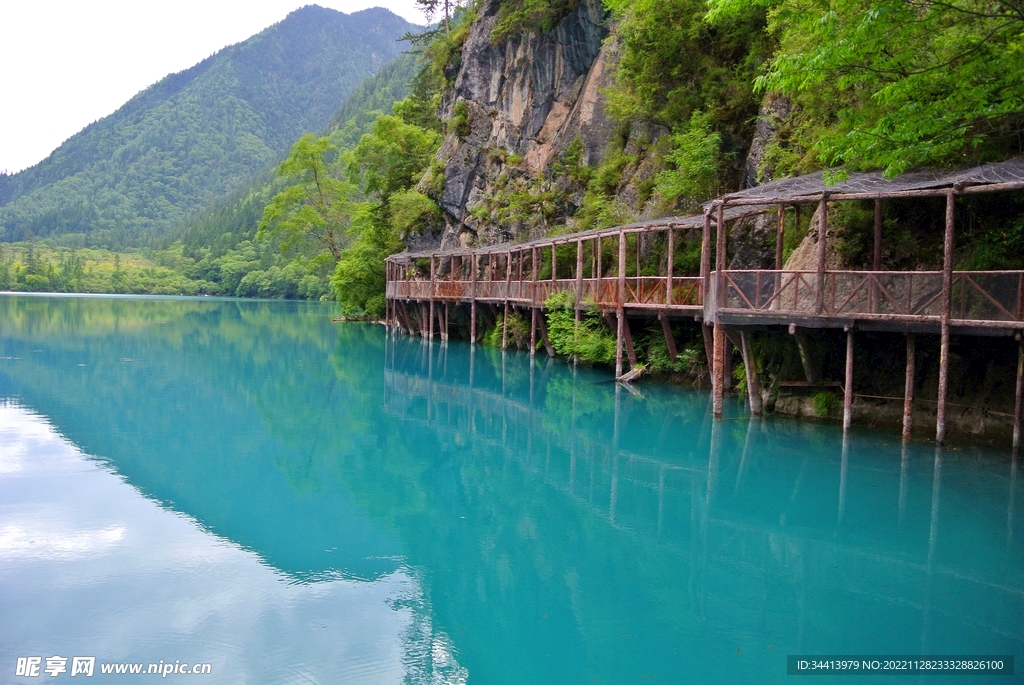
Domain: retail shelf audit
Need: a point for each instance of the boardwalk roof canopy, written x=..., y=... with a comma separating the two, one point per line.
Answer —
x=1008, y=175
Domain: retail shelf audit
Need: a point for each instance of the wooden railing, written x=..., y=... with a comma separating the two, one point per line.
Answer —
x=644, y=291
x=911, y=295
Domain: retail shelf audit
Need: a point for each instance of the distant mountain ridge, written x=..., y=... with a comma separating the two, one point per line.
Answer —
x=202, y=132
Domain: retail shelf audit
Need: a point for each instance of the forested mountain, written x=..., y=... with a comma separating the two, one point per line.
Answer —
x=199, y=134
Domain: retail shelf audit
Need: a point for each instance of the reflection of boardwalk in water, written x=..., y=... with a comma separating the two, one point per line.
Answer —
x=733, y=519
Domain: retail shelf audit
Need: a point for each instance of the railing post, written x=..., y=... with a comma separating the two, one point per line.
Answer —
x=718, y=371
x=621, y=297
x=819, y=303
x=430, y=322
x=670, y=265
x=947, y=290
x=579, y=277
x=474, y=265
x=533, y=303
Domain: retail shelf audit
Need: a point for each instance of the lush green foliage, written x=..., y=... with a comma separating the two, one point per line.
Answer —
x=200, y=133
x=589, y=340
x=895, y=84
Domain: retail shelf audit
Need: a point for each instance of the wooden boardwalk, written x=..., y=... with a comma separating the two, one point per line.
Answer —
x=635, y=271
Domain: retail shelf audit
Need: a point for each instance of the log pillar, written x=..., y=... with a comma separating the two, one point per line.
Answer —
x=618, y=341
x=474, y=265
x=819, y=294
x=542, y=326
x=670, y=263
x=621, y=294
x=718, y=370
x=533, y=331
x=719, y=373
x=908, y=389
x=504, y=327
x=753, y=382
x=627, y=339
x=848, y=382
x=579, y=277
x=947, y=291
x=670, y=341
x=533, y=301
x=430, y=319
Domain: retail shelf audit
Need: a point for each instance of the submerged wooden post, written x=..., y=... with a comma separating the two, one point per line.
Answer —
x=908, y=389
x=533, y=331
x=819, y=294
x=753, y=383
x=848, y=382
x=533, y=302
x=947, y=291
x=1020, y=392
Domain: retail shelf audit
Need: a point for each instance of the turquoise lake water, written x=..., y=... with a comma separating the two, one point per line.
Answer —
x=291, y=500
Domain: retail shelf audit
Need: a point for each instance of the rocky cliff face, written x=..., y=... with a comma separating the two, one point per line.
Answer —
x=524, y=99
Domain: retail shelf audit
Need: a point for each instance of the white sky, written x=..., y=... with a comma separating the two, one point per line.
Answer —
x=67, y=64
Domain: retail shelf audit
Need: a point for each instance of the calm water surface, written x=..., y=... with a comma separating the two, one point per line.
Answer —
x=249, y=485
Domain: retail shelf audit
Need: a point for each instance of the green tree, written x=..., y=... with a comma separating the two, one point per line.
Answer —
x=897, y=83
x=317, y=207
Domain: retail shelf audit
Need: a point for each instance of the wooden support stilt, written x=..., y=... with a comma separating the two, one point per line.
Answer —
x=718, y=370
x=1019, y=396
x=627, y=338
x=908, y=389
x=812, y=373
x=819, y=288
x=542, y=325
x=753, y=382
x=430, y=314
x=430, y=321
x=848, y=382
x=670, y=341
x=504, y=328
x=472, y=322
x=709, y=348
x=533, y=331
x=947, y=290
x=423, y=320
x=618, y=340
